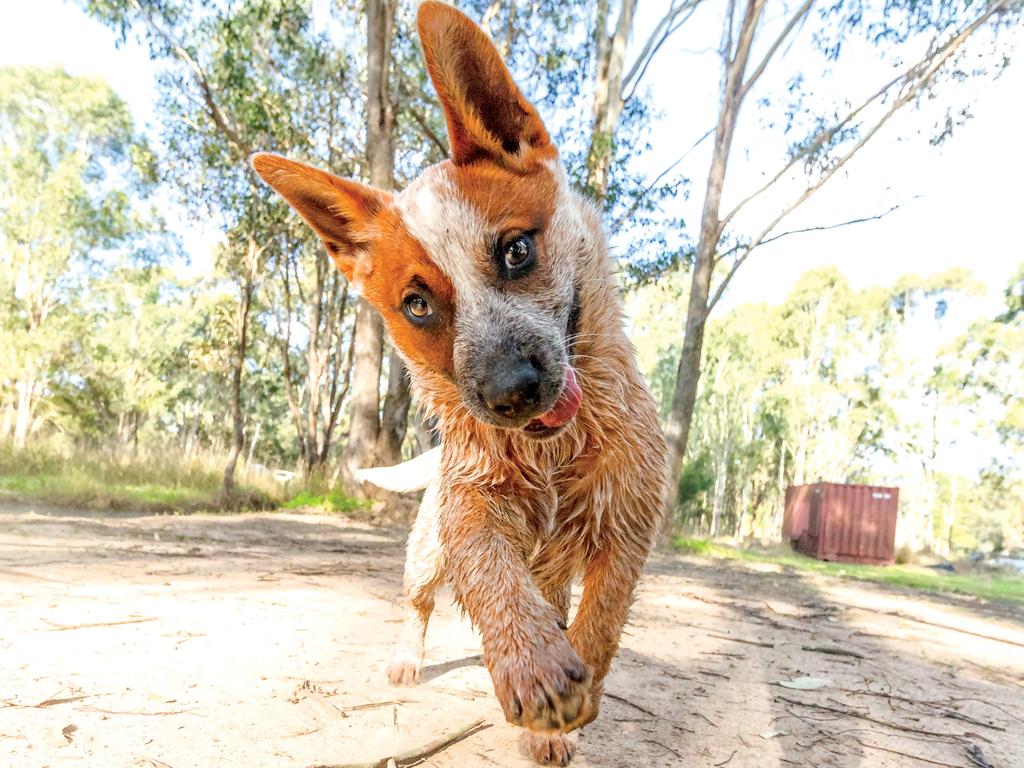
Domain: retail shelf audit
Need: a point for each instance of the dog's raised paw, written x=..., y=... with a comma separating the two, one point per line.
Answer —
x=547, y=749
x=547, y=689
x=404, y=670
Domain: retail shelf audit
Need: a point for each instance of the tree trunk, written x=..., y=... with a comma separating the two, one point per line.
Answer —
x=395, y=419
x=252, y=448
x=380, y=157
x=367, y=357
x=7, y=423
x=23, y=420
x=608, y=101
x=780, y=503
x=426, y=434
x=241, y=350
x=677, y=429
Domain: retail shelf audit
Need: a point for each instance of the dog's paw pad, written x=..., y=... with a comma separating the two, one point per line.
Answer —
x=404, y=670
x=547, y=750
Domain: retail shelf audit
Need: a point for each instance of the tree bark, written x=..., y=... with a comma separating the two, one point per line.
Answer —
x=395, y=418
x=23, y=420
x=241, y=349
x=365, y=435
x=608, y=97
x=367, y=357
x=677, y=429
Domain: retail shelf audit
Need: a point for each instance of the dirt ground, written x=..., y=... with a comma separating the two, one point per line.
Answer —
x=261, y=640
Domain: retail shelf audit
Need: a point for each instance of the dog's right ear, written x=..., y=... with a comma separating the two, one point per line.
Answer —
x=340, y=211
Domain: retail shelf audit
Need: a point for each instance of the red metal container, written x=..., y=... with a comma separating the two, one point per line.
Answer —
x=846, y=523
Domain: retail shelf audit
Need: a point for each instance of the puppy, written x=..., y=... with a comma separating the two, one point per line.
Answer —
x=495, y=284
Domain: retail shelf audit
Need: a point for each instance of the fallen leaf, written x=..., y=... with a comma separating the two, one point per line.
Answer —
x=69, y=732
x=804, y=683
x=772, y=734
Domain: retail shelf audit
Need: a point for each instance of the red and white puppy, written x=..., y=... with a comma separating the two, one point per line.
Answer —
x=494, y=281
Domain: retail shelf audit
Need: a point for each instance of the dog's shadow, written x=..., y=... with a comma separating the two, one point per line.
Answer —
x=434, y=671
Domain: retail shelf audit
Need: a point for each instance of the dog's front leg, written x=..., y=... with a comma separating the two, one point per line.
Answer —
x=608, y=583
x=539, y=680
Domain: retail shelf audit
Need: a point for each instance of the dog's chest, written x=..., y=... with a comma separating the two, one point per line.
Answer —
x=572, y=507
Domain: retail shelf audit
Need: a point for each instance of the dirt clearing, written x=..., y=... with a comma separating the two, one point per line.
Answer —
x=262, y=640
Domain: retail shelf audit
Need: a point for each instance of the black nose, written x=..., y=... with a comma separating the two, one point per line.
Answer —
x=513, y=387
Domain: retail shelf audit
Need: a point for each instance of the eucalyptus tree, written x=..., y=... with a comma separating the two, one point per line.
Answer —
x=70, y=162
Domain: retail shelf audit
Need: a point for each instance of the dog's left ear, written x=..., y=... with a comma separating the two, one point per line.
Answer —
x=488, y=116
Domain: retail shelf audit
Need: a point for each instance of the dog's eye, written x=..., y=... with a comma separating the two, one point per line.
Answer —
x=519, y=254
x=416, y=307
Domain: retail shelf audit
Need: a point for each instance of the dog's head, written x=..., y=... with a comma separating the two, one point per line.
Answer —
x=474, y=265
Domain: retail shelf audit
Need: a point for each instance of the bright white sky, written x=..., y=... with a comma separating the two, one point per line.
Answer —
x=962, y=204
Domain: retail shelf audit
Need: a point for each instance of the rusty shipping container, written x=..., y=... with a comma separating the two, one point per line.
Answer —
x=841, y=522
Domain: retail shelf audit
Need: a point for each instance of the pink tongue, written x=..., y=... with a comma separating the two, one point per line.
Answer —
x=568, y=402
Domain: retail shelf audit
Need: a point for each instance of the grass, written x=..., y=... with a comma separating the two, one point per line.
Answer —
x=989, y=586
x=104, y=483
x=331, y=501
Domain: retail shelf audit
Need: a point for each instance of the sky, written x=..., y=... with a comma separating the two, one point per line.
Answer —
x=959, y=203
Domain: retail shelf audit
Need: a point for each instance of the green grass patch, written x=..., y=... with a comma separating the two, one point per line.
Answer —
x=102, y=483
x=989, y=586
x=693, y=546
x=331, y=501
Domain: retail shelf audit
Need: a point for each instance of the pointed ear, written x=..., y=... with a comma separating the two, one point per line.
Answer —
x=487, y=114
x=340, y=211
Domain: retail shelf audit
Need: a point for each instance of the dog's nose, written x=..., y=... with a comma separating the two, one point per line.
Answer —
x=512, y=388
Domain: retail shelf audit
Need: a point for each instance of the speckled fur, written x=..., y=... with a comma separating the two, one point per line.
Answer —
x=510, y=520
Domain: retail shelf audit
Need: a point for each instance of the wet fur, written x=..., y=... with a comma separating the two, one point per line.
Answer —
x=511, y=520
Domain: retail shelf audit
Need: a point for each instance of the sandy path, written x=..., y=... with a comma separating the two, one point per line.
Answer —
x=250, y=640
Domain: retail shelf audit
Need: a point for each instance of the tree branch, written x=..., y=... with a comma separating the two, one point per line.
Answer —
x=803, y=230
x=912, y=79
x=662, y=31
x=427, y=131
x=201, y=80
x=790, y=26
x=647, y=190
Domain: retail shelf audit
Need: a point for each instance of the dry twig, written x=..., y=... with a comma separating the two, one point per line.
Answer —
x=624, y=700
x=832, y=651
x=857, y=715
x=903, y=754
x=417, y=755
x=730, y=757
x=758, y=643
x=666, y=747
x=66, y=627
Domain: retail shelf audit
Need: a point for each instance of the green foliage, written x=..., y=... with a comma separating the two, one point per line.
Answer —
x=825, y=386
x=70, y=165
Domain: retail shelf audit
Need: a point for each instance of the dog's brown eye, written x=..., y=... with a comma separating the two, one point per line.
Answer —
x=416, y=307
x=519, y=254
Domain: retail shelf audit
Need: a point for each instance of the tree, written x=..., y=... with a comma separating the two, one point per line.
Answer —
x=69, y=158
x=833, y=138
x=366, y=439
x=217, y=59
